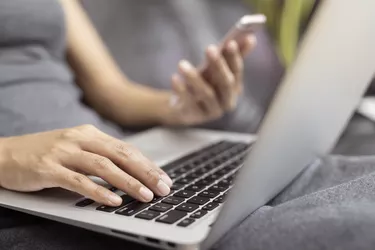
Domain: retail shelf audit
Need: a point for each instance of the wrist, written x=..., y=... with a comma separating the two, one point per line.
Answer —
x=164, y=112
x=2, y=157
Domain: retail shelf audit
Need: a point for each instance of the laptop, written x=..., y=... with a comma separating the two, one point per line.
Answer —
x=220, y=178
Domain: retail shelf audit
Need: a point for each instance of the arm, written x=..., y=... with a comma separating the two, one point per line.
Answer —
x=202, y=96
x=105, y=88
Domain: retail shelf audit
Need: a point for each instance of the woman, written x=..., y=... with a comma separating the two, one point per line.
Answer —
x=328, y=206
x=33, y=48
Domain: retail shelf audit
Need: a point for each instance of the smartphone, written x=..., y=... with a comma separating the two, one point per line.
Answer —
x=244, y=26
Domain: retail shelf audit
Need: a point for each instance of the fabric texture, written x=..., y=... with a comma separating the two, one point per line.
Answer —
x=329, y=206
x=37, y=90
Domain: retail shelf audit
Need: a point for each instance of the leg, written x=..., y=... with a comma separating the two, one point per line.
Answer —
x=336, y=212
x=20, y=231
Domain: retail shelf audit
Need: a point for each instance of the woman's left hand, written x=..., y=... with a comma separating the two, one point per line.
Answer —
x=204, y=96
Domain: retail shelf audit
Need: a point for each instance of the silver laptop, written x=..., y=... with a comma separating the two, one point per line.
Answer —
x=220, y=178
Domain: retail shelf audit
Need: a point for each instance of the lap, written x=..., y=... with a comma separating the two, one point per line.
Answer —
x=328, y=206
x=20, y=231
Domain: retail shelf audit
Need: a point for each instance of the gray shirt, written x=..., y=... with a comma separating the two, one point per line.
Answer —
x=37, y=89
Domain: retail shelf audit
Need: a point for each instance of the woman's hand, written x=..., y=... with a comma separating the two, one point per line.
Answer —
x=204, y=96
x=62, y=158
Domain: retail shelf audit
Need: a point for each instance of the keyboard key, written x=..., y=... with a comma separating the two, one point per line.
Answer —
x=213, y=177
x=202, y=171
x=210, y=166
x=231, y=178
x=199, y=200
x=173, y=200
x=199, y=214
x=176, y=186
x=181, y=170
x=223, y=171
x=184, y=181
x=195, y=188
x=205, y=182
x=233, y=166
x=161, y=207
x=193, y=175
x=85, y=203
x=217, y=188
x=202, y=152
x=147, y=215
x=173, y=175
x=187, y=207
x=220, y=199
x=218, y=162
x=209, y=194
x=126, y=199
x=225, y=183
x=133, y=208
x=220, y=173
x=197, y=162
x=184, y=194
x=171, y=217
x=186, y=222
x=205, y=158
x=156, y=199
x=188, y=166
x=211, y=206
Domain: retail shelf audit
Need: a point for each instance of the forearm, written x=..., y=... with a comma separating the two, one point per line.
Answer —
x=131, y=104
x=87, y=55
x=2, y=157
x=104, y=86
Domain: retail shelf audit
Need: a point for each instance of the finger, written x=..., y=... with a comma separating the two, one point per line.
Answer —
x=179, y=87
x=190, y=112
x=102, y=167
x=202, y=92
x=131, y=160
x=222, y=77
x=235, y=63
x=81, y=184
x=247, y=45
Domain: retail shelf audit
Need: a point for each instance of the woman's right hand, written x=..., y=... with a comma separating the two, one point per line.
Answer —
x=63, y=158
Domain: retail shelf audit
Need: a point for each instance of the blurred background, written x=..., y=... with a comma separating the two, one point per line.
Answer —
x=149, y=37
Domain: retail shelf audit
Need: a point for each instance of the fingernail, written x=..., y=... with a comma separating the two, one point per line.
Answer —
x=114, y=199
x=252, y=39
x=146, y=194
x=166, y=180
x=163, y=188
x=232, y=45
x=185, y=65
x=213, y=51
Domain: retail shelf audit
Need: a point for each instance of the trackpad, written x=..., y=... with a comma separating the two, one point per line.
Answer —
x=162, y=146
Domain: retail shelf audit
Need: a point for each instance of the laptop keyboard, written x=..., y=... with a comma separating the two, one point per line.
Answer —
x=201, y=180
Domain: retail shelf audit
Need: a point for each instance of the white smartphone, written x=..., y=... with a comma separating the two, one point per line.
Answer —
x=244, y=26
